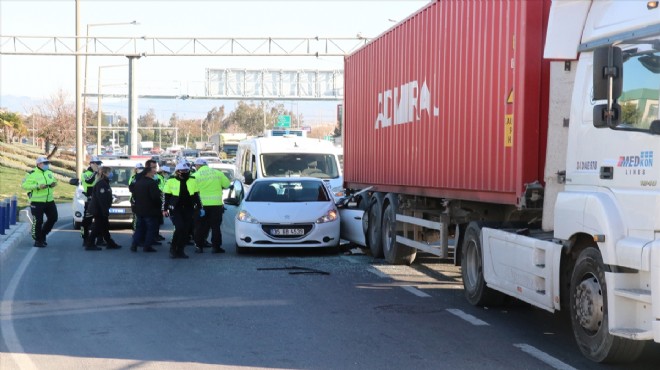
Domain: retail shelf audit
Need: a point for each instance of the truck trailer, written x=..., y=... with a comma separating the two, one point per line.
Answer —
x=516, y=139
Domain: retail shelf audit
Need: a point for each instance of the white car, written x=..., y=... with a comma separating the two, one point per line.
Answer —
x=285, y=212
x=120, y=212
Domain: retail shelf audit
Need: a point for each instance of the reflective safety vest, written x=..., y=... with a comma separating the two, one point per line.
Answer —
x=161, y=181
x=36, y=178
x=172, y=189
x=88, y=181
x=211, y=182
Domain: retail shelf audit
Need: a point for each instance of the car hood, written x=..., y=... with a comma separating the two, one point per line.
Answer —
x=287, y=213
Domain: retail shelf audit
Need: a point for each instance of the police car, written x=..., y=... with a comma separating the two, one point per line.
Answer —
x=120, y=212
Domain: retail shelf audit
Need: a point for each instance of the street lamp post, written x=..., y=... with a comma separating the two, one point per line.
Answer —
x=90, y=25
x=99, y=112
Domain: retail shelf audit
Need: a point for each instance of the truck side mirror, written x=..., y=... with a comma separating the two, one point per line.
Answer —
x=248, y=179
x=604, y=117
x=608, y=65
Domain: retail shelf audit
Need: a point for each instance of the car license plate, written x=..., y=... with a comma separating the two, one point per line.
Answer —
x=117, y=210
x=287, y=232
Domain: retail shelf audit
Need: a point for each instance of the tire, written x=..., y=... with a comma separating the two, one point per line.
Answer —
x=472, y=272
x=395, y=253
x=76, y=225
x=374, y=237
x=589, y=313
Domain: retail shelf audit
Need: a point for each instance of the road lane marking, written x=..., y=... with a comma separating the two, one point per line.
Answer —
x=415, y=291
x=378, y=273
x=467, y=317
x=16, y=351
x=544, y=357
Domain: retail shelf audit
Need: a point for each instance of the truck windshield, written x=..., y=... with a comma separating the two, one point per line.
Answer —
x=641, y=84
x=320, y=165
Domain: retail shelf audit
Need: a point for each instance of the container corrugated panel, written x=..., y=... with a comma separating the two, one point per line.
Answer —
x=452, y=102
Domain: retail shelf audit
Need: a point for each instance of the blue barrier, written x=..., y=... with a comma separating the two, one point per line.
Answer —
x=7, y=203
x=2, y=217
x=13, y=210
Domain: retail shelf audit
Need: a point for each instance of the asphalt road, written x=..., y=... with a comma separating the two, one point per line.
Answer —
x=65, y=308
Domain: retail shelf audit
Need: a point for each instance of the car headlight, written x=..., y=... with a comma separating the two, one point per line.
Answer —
x=338, y=191
x=244, y=216
x=328, y=217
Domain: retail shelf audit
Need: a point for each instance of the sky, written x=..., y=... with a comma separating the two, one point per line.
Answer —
x=39, y=77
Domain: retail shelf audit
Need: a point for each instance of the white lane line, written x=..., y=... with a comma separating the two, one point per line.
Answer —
x=467, y=317
x=544, y=357
x=349, y=259
x=9, y=336
x=378, y=273
x=415, y=291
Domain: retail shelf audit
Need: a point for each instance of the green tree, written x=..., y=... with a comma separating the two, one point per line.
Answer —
x=252, y=118
x=629, y=114
x=146, y=123
x=13, y=125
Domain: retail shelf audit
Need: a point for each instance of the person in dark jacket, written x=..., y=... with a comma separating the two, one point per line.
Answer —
x=99, y=206
x=148, y=207
x=181, y=198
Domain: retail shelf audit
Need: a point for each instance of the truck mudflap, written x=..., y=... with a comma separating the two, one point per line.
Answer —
x=522, y=267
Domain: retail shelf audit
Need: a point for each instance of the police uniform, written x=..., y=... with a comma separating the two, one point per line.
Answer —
x=181, y=198
x=210, y=183
x=88, y=180
x=40, y=183
x=99, y=206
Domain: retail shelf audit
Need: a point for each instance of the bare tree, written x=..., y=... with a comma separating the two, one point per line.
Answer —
x=56, y=120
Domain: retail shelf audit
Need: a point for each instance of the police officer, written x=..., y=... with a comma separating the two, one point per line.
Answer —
x=88, y=179
x=99, y=206
x=181, y=198
x=40, y=183
x=210, y=182
x=139, y=167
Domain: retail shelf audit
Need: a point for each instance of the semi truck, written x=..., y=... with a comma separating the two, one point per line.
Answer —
x=516, y=139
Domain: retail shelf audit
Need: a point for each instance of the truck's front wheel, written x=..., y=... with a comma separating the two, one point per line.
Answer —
x=395, y=253
x=373, y=236
x=589, y=314
x=474, y=284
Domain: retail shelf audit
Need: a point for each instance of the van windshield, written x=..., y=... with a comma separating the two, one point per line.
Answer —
x=320, y=165
x=121, y=175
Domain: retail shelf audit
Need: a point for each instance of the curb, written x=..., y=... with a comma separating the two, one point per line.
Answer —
x=14, y=237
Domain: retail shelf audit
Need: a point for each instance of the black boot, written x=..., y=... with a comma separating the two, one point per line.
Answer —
x=113, y=245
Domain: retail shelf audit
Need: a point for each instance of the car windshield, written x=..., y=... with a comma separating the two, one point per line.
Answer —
x=288, y=191
x=228, y=173
x=120, y=177
x=320, y=165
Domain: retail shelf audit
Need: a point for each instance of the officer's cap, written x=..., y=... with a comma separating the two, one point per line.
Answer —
x=200, y=162
x=42, y=160
x=182, y=166
x=95, y=160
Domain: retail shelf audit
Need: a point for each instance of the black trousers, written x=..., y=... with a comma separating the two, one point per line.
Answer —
x=183, y=220
x=100, y=228
x=211, y=221
x=40, y=228
x=86, y=222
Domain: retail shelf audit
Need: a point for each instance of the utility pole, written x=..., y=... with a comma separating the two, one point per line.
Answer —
x=132, y=104
x=80, y=145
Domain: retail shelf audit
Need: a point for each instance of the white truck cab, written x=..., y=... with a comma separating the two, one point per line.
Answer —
x=291, y=156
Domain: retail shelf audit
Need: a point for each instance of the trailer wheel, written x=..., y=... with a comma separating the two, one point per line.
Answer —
x=373, y=237
x=474, y=284
x=395, y=253
x=589, y=314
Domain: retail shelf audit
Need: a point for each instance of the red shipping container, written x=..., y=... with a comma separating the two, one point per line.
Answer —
x=452, y=102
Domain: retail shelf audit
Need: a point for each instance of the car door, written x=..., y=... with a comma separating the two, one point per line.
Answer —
x=353, y=218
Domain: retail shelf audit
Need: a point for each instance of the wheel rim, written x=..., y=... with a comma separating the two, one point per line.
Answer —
x=387, y=232
x=472, y=269
x=589, y=304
